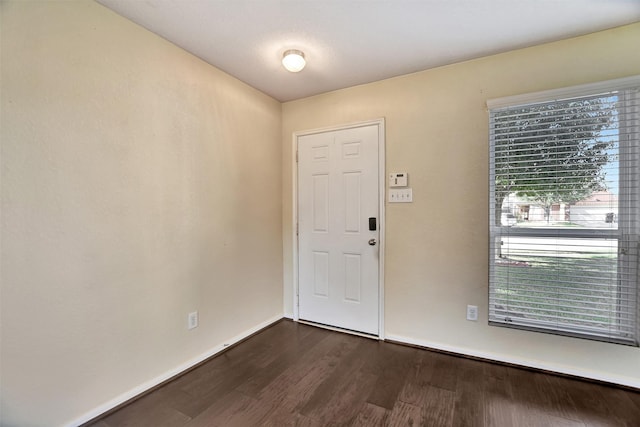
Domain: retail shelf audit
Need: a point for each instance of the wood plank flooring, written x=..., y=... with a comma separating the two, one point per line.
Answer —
x=297, y=375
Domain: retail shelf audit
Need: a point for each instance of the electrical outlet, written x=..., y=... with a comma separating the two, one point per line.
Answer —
x=192, y=320
x=472, y=312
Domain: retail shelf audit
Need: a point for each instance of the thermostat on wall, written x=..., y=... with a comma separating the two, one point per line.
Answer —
x=398, y=179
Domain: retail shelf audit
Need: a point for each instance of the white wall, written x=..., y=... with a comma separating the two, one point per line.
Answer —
x=138, y=184
x=437, y=247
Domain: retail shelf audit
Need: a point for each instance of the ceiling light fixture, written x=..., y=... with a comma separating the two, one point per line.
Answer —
x=293, y=60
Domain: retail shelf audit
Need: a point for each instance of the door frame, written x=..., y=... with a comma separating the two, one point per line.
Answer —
x=382, y=179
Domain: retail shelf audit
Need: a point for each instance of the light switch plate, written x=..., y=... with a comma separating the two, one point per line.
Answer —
x=404, y=195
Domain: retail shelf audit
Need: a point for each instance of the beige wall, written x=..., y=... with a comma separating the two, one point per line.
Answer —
x=138, y=184
x=437, y=247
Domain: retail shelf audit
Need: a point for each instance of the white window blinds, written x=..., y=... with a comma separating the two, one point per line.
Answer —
x=564, y=211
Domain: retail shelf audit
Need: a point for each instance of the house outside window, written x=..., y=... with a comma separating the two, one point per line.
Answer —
x=564, y=211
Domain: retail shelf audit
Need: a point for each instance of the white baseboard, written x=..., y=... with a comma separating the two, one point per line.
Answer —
x=517, y=361
x=169, y=374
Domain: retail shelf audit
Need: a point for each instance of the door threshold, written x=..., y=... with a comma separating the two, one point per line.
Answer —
x=343, y=330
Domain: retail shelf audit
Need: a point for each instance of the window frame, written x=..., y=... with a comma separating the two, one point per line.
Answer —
x=623, y=234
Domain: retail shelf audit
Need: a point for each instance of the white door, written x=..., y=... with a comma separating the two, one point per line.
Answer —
x=339, y=222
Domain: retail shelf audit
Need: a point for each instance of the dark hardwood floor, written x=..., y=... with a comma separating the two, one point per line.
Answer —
x=293, y=374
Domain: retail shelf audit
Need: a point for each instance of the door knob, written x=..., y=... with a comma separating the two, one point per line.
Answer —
x=372, y=242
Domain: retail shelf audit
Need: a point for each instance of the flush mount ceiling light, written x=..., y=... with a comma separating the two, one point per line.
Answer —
x=293, y=60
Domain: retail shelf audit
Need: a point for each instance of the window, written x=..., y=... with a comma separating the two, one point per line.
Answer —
x=564, y=211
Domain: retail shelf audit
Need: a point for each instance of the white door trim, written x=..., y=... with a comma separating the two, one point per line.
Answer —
x=381, y=202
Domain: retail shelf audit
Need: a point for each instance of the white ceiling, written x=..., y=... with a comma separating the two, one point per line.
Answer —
x=351, y=42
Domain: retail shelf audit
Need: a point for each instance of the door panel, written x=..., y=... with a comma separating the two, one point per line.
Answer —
x=352, y=277
x=352, y=202
x=321, y=203
x=320, y=274
x=338, y=192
